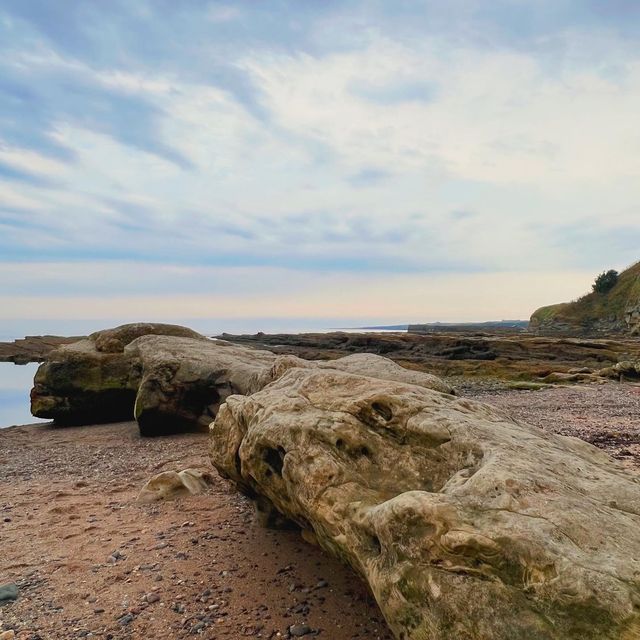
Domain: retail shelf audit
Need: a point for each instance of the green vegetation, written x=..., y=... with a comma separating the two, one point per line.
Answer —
x=612, y=295
x=605, y=281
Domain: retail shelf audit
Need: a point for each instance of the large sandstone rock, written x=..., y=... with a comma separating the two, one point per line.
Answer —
x=95, y=379
x=465, y=523
x=170, y=378
x=184, y=380
x=364, y=364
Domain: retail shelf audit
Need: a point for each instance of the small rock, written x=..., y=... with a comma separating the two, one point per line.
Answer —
x=7, y=635
x=152, y=597
x=126, y=619
x=9, y=591
x=197, y=628
x=299, y=630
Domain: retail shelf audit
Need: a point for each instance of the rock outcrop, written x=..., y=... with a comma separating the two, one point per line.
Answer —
x=506, y=357
x=632, y=318
x=170, y=378
x=32, y=348
x=465, y=523
x=95, y=379
x=170, y=485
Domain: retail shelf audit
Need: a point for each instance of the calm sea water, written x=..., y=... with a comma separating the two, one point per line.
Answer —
x=16, y=381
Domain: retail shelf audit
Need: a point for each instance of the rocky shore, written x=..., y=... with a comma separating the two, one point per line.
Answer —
x=32, y=348
x=519, y=357
x=463, y=519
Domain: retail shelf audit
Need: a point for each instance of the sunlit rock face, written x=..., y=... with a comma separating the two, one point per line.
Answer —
x=184, y=381
x=365, y=364
x=465, y=523
x=632, y=319
x=168, y=378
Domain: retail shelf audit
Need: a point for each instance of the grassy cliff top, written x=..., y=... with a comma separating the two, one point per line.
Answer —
x=595, y=306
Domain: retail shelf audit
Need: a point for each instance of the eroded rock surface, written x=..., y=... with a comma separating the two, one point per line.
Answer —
x=95, y=379
x=365, y=364
x=171, y=378
x=183, y=381
x=465, y=523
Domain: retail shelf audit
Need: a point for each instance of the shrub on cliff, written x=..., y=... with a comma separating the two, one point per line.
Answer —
x=605, y=281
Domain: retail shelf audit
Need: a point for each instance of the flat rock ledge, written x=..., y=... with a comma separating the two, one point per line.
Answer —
x=465, y=523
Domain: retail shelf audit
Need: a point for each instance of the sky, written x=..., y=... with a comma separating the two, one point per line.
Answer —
x=253, y=165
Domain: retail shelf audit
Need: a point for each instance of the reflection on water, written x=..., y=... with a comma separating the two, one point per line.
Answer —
x=15, y=383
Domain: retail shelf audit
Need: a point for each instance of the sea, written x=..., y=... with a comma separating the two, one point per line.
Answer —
x=16, y=381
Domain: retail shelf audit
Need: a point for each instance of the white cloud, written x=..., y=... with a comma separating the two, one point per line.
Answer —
x=496, y=116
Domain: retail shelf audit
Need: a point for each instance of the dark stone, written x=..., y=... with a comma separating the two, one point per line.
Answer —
x=8, y=591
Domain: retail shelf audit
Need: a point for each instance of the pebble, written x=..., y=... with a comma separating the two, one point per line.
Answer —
x=299, y=630
x=126, y=619
x=197, y=628
x=9, y=591
x=152, y=597
x=7, y=635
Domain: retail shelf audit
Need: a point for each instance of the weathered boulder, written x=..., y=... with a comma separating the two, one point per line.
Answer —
x=624, y=370
x=170, y=378
x=95, y=379
x=465, y=523
x=365, y=364
x=183, y=381
x=169, y=485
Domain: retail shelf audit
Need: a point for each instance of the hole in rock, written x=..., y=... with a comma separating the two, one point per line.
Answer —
x=374, y=543
x=238, y=463
x=274, y=458
x=363, y=451
x=383, y=410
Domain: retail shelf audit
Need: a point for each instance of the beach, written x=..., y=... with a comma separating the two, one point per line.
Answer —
x=90, y=561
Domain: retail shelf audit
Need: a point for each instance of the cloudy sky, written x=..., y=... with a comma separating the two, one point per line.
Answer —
x=308, y=163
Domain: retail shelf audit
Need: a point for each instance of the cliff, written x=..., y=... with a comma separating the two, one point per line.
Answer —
x=614, y=312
